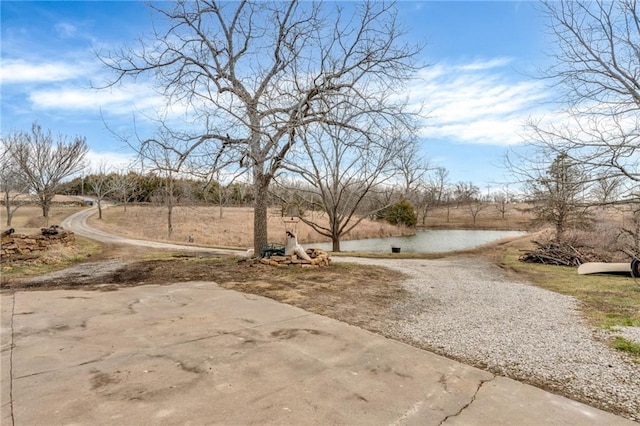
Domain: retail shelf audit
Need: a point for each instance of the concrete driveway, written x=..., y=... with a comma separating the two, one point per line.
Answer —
x=193, y=353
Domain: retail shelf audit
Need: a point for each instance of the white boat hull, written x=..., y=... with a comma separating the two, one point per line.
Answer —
x=603, y=268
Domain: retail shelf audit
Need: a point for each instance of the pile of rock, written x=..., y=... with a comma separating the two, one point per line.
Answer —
x=21, y=244
x=318, y=258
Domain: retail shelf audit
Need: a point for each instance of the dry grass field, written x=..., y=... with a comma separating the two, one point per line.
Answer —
x=488, y=217
x=28, y=219
x=234, y=229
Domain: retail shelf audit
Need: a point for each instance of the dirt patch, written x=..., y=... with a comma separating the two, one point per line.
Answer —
x=356, y=294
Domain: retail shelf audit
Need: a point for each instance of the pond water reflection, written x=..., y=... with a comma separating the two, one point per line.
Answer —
x=432, y=241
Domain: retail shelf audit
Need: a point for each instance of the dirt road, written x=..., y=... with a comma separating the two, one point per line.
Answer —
x=78, y=224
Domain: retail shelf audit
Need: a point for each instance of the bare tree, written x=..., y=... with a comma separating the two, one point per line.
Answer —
x=224, y=193
x=629, y=234
x=430, y=192
x=411, y=167
x=124, y=186
x=596, y=71
x=465, y=193
x=45, y=162
x=100, y=185
x=221, y=175
x=167, y=158
x=606, y=189
x=556, y=197
x=252, y=74
x=13, y=184
x=501, y=200
x=342, y=167
x=475, y=207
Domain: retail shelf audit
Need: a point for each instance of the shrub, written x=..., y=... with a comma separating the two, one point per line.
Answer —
x=402, y=213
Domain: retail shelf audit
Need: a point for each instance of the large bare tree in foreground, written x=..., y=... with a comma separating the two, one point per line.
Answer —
x=252, y=75
x=45, y=162
x=596, y=70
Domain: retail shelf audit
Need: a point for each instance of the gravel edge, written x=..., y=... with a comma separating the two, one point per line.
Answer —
x=467, y=309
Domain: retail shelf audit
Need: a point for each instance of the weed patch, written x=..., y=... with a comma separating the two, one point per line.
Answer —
x=624, y=345
x=606, y=300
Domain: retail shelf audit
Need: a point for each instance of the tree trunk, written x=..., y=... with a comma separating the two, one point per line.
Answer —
x=220, y=203
x=169, y=201
x=99, y=209
x=7, y=205
x=335, y=242
x=559, y=232
x=169, y=221
x=45, y=210
x=261, y=187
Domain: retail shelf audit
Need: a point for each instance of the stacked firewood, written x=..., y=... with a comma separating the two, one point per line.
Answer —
x=561, y=253
x=318, y=258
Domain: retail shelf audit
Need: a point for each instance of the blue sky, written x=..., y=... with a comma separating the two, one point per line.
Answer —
x=479, y=85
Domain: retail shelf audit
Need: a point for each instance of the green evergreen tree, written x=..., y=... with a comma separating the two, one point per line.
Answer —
x=556, y=197
x=402, y=213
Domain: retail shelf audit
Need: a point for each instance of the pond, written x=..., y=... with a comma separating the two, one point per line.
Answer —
x=432, y=241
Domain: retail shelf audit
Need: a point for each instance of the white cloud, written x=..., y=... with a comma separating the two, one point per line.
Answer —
x=119, y=100
x=113, y=161
x=65, y=86
x=65, y=29
x=480, y=65
x=478, y=102
x=20, y=71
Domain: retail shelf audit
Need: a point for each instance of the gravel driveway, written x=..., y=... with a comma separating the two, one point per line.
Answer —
x=467, y=309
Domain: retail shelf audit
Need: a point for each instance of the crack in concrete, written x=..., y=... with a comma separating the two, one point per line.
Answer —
x=13, y=312
x=468, y=404
x=130, y=306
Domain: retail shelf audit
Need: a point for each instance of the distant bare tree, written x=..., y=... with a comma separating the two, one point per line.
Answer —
x=596, y=71
x=13, y=184
x=221, y=175
x=555, y=195
x=124, y=186
x=465, y=192
x=45, y=162
x=501, y=201
x=411, y=167
x=342, y=167
x=430, y=192
x=475, y=207
x=100, y=185
x=167, y=158
x=606, y=189
x=254, y=74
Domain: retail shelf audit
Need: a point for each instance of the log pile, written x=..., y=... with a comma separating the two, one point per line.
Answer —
x=318, y=258
x=561, y=254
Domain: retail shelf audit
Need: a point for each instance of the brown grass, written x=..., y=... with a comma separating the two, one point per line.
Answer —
x=515, y=218
x=28, y=219
x=234, y=229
